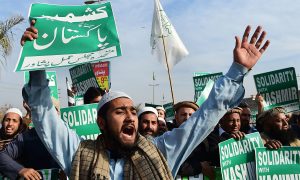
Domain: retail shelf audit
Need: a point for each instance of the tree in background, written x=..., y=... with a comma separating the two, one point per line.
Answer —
x=6, y=36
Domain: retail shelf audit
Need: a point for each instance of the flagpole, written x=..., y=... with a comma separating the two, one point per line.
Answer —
x=170, y=79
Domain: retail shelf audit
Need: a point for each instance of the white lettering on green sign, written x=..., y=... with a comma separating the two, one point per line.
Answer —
x=240, y=171
x=278, y=157
x=80, y=117
x=83, y=86
x=202, y=81
x=239, y=147
x=280, y=96
x=280, y=177
x=273, y=79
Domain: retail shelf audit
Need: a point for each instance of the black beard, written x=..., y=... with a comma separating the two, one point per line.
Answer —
x=284, y=136
x=119, y=149
x=144, y=132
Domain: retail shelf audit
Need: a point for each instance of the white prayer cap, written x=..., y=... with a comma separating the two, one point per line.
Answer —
x=148, y=109
x=160, y=108
x=161, y=119
x=111, y=95
x=14, y=110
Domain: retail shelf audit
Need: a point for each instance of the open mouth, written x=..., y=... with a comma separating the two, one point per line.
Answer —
x=128, y=130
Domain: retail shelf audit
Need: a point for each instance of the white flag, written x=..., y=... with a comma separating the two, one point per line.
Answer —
x=162, y=29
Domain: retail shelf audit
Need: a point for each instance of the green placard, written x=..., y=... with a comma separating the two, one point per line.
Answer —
x=83, y=119
x=279, y=88
x=200, y=73
x=237, y=158
x=283, y=163
x=83, y=77
x=70, y=35
x=152, y=105
x=205, y=93
x=201, y=81
x=170, y=114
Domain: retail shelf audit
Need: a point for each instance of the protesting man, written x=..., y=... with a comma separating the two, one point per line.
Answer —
x=275, y=130
x=245, y=119
x=12, y=124
x=183, y=110
x=148, y=122
x=26, y=154
x=121, y=152
x=93, y=95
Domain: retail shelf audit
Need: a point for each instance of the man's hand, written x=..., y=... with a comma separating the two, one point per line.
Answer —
x=237, y=135
x=30, y=33
x=247, y=54
x=29, y=174
x=273, y=144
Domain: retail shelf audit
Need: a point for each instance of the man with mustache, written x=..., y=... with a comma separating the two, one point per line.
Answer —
x=275, y=130
x=120, y=152
x=148, y=122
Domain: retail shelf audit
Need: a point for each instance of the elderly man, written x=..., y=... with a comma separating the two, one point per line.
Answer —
x=11, y=125
x=229, y=127
x=148, y=122
x=275, y=130
x=121, y=152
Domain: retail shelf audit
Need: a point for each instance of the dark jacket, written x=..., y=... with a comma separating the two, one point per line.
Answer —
x=26, y=150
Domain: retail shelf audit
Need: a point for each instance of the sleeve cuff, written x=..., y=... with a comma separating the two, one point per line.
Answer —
x=38, y=78
x=237, y=72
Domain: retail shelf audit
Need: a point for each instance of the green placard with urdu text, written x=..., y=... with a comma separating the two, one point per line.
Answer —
x=70, y=35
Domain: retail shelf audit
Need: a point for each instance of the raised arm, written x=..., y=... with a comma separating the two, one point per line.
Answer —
x=226, y=93
x=55, y=134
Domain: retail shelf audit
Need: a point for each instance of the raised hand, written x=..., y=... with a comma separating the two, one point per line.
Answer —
x=30, y=33
x=248, y=53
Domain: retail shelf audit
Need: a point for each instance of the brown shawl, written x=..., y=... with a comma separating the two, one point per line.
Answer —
x=91, y=161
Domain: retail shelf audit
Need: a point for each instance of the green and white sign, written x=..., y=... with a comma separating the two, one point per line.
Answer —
x=237, y=158
x=70, y=35
x=170, y=114
x=279, y=88
x=200, y=73
x=51, y=76
x=283, y=163
x=83, y=77
x=83, y=119
x=217, y=173
x=205, y=93
x=201, y=81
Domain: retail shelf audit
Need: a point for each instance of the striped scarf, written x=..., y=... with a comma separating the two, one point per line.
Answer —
x=91, y=161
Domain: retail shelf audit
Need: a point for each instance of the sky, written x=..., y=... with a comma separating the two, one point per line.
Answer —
x=207, y=28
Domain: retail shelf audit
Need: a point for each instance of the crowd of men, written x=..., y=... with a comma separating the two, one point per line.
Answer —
x=139, y=143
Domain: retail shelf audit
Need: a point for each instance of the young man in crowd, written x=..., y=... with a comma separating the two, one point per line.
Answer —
x=12, y=124
x=120, y=152
x=245, y=119
x=93, y=95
